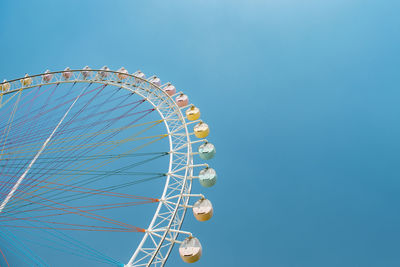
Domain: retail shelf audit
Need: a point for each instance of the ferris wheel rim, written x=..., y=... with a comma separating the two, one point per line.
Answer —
x=140, y=257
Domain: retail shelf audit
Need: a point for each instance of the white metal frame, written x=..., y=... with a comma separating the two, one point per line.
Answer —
x=164, y=228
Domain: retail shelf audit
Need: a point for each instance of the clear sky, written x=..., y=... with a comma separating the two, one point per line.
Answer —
x=301, y=97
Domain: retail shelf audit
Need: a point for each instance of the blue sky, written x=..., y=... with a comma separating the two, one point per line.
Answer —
x=302, y=101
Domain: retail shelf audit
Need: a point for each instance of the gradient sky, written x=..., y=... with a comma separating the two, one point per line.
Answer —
x=302, y=98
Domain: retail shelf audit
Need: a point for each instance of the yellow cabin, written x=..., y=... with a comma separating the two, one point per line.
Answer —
x=26, y=81
x=203, y=210
x=190, y=250
x=201, y=130
x=193, y=113
x=4, y=86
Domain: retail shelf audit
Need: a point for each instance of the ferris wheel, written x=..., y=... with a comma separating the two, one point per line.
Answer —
x=97, y=167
